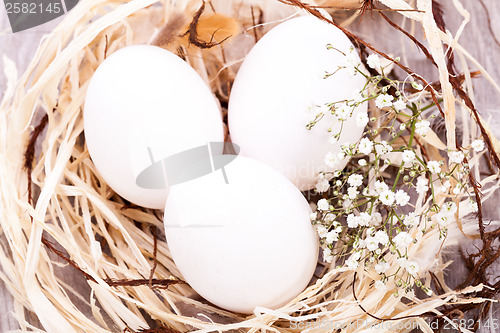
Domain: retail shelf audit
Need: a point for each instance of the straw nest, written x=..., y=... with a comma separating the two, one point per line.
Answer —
x=58, y=215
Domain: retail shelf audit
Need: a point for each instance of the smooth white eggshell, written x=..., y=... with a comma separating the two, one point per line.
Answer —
x=278, y=90
x=144, y=96
x=244, y=244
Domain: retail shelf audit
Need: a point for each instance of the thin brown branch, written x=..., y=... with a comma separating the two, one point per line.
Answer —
x=153, y=283
x=413, y=39
x=488, y=19
x=29, y=154
x=142, y=282
x=193, y=32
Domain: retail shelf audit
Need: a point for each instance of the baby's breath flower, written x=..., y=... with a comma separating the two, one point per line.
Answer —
x=359, y=243
x=449, y=208
x=408, y=156
x=331, y=236
x=327, y=255
x=329, y=217
x=365, y=146
x=346, y=148
x=422, y=185
x=353, y=261
x=364, y=219
x=477, y=145
x=402, y=198
x=443, y=219
x=321, y=230
x=323, y=205
x=355, y=180
x=357, y=97
x=434, y=166
x=381, y=237
x=347, y=205
x=402, y=240
x=382, y=267
x=352, y=193
x=362, y=119
x=332, y=160
x=422, y=127
x=380, y=187
x=402, y=262
x=343, y=112
x=352, y=221
x=399, y=105
x=379, y=285
x=376, y=218
x=383, y=148
x=373, y=61
x=456, y=156
x=322, y=185
x=351, y=61
x=387, y=197
x=371, y=243
x=361, y=206
x=410, y=220
x=383, y=100
x=412, y=267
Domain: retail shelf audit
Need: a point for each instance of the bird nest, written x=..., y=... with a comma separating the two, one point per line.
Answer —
x=82, y=259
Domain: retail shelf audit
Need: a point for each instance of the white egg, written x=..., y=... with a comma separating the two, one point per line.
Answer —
x=281, y=87
x=144, y=104
x=243, y=244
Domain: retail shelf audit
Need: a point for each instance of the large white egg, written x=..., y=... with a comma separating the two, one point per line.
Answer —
x=144, y=104
x=279, y=89
x=243, y=244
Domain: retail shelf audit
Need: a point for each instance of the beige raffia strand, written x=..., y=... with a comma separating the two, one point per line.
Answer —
x=78, y=212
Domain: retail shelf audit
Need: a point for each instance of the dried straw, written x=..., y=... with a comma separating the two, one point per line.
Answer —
x=57, y=213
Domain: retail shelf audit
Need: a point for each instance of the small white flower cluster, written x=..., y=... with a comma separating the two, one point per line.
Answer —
x=384, y=100
x=377, y=208
x=422, y=185
x=477, y=145
x=408, y=156
x=323, y=184
x=362, y=220
x=412, y=267
x=447, y=214
x=374, y=62
x=351, y=62
x=456, y=157
x=434, y=167
x=365, y=146
x=422, y=127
